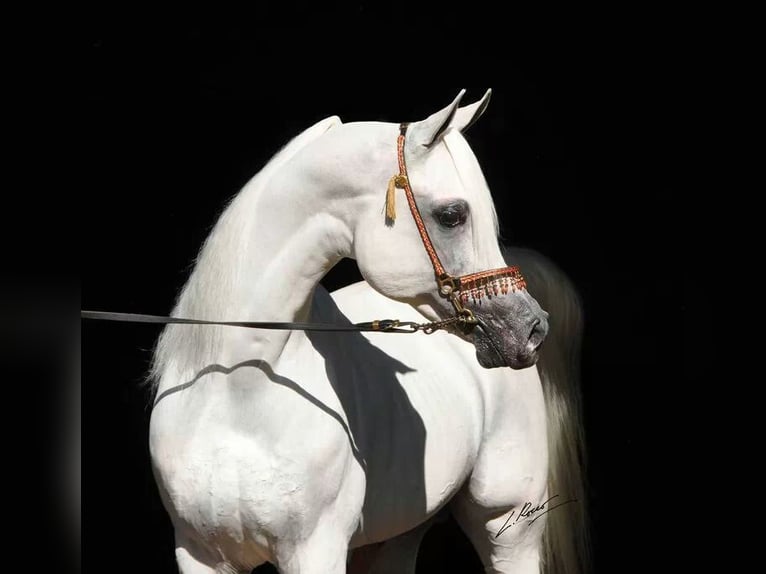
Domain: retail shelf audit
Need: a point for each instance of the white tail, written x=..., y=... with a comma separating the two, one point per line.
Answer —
x=566, y=534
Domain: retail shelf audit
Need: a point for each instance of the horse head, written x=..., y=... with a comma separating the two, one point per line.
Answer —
x=463, y=270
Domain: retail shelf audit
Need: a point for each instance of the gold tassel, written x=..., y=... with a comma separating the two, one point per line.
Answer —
x=396, y=181
x=391, y=200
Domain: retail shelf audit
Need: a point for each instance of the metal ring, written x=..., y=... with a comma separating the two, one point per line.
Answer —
x=446, y=285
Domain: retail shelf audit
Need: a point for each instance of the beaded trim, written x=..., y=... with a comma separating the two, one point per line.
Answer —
x=490, y=284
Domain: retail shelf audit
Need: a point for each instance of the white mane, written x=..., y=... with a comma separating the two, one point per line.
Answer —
x=207, y=295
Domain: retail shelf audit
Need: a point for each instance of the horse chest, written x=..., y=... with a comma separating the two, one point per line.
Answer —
x=232, y=475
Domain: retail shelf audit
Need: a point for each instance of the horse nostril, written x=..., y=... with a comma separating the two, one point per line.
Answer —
x=536, y=335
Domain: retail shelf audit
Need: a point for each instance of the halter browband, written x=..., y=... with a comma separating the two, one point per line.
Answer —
x=459, y=290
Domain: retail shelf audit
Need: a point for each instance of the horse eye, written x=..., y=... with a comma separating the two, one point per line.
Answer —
x=452, y=215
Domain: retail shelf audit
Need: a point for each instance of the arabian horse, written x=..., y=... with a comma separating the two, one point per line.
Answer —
x=299, y=447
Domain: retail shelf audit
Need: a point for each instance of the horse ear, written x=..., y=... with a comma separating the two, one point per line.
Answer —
x=428, y=131
x=467, y=115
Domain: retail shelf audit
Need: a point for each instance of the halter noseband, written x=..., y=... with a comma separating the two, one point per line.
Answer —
x=458, y=290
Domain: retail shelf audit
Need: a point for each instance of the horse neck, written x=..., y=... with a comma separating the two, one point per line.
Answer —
x=289, y=245
x=270, y=249
x=262, y=262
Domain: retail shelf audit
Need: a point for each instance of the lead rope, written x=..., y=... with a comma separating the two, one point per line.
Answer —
x=377, y=326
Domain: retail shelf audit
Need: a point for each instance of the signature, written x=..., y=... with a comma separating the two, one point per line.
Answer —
x=529, y=511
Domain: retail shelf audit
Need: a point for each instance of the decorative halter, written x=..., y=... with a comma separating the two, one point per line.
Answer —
x=458, y=290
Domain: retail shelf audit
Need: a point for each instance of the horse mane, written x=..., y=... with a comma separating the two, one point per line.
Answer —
x=183, y=349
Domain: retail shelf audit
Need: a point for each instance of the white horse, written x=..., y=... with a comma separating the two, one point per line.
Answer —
x=296, y=447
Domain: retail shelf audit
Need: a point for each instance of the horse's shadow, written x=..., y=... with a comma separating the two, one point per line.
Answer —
x=388, y=431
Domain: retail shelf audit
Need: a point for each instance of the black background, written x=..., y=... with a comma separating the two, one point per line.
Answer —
x=581, y=162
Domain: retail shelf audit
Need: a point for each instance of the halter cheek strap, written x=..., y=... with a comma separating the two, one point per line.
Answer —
x=459, y=290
